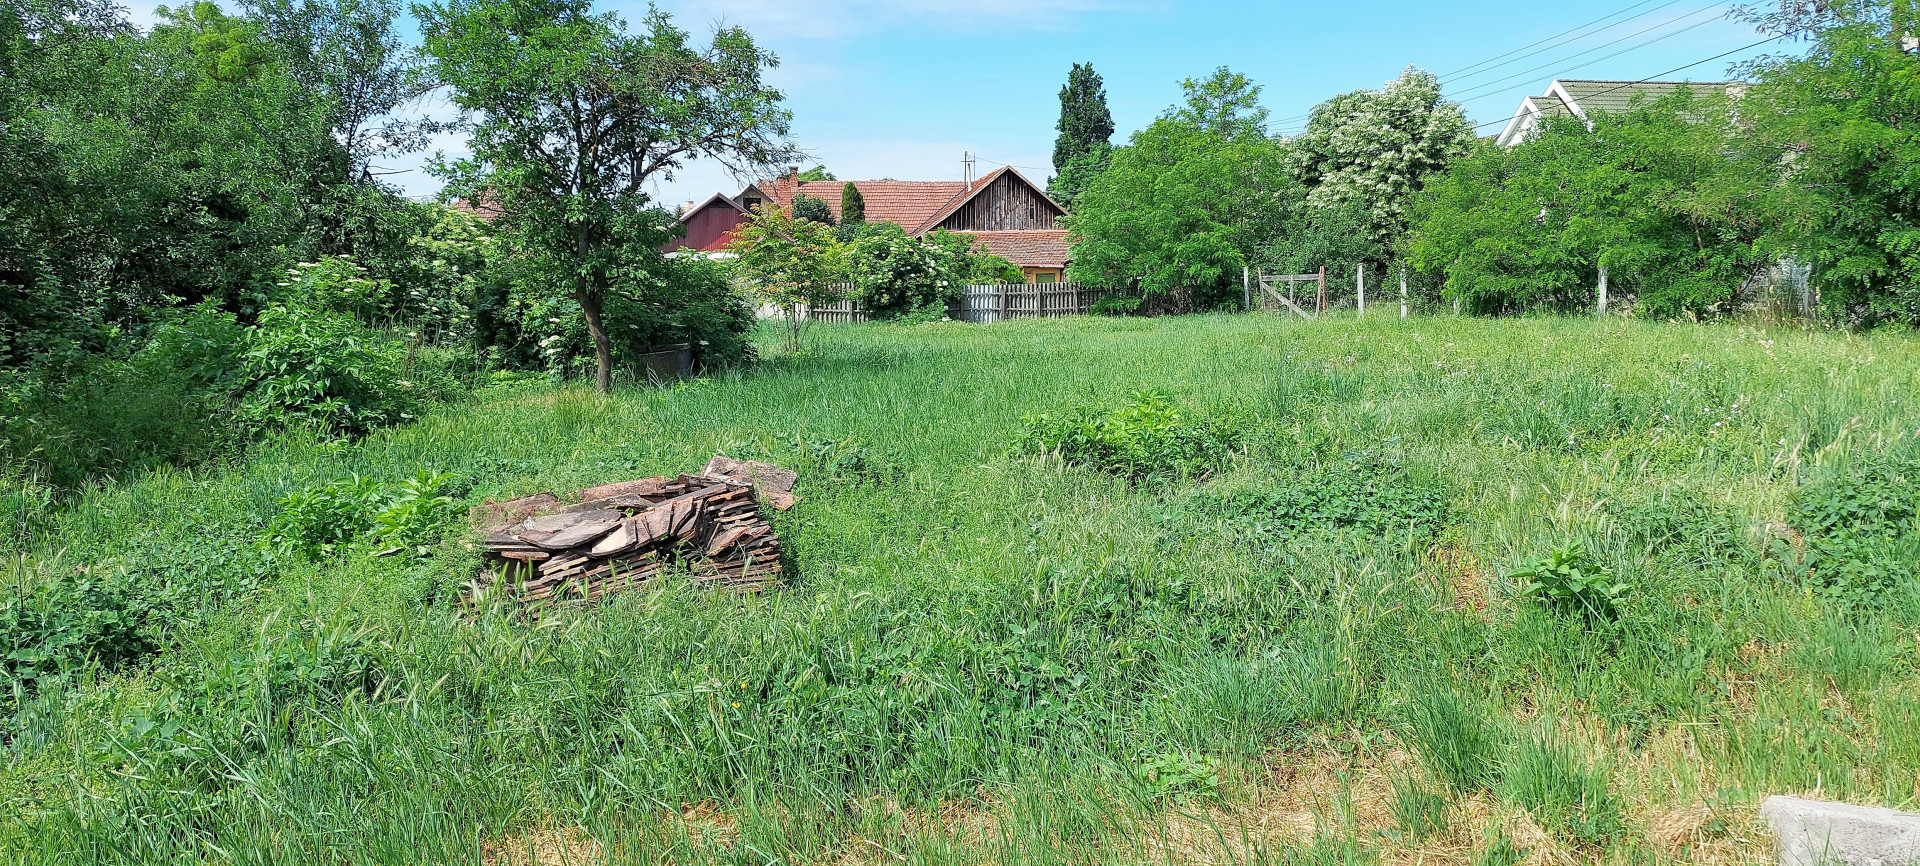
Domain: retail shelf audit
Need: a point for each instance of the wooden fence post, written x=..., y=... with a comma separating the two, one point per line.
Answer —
x=1403, y=290
x=1323, y=291
x=1603, y=290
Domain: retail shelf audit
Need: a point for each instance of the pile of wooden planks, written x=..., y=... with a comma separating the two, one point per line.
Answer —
x=617, y=536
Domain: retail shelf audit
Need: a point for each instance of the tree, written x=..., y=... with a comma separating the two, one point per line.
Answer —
x=1188, y=200
x=1650, y=194
x=853, y=206
x=816, y=173
x=1086, y=131
x=575, y=114
x=1842, y=124
x=789, y=261
x=807, y=207
x=1375, y=149
x=354, y=68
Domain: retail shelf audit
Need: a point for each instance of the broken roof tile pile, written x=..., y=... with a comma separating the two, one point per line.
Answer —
x=619, y=536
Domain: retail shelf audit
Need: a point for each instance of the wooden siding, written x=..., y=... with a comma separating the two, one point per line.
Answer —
x=708, y=229
x=1007, y=205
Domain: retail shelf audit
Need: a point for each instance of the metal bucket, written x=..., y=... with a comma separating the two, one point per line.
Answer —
x=665, y=363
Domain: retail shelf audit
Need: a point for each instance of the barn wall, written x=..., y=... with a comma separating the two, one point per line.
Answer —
x=707, y=228
x=1006, y=205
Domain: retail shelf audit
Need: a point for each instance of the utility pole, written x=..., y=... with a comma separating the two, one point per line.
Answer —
x=1246, y=287
x=1603, y=291
x=1360, y=287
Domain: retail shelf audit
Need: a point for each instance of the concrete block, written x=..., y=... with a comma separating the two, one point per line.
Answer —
x=1815, y=833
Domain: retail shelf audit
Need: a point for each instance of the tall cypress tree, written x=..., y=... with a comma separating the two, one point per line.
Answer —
x=853, y=206
x=1086, y=127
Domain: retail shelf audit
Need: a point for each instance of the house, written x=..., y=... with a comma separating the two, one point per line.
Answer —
x=1579, y=98
x=1006, y=214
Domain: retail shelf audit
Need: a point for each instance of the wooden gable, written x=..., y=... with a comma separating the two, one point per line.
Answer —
x=1003, y=201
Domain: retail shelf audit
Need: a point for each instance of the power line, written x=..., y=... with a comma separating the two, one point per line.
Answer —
x=1495, y=85
x=1574, y=34
x=1562, y=33
x=1654, y=77
x=1608, y=44
x=1528, y=73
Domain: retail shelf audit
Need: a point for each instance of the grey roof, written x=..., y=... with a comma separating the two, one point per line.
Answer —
x=1590, y=96
x=1550, y=105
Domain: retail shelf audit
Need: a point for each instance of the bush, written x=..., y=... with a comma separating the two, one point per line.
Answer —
x=1147, y=437
x=895, y=275
x=322, y=368
x=1568, y=582
x=1456, y=739
x=1567, y=797
x=1861, y=523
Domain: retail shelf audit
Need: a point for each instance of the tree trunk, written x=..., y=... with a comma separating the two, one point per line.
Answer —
x=591, y=300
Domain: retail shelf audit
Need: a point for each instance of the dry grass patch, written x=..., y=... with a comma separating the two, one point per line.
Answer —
x=569, y=846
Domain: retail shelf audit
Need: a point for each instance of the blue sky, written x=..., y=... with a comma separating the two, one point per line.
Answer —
x=901, y=88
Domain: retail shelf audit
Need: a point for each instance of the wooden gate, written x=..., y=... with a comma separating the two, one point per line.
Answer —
x=1271, y=297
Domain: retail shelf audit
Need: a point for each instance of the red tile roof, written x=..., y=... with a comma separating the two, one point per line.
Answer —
x=906, y=203
x=1030, y=249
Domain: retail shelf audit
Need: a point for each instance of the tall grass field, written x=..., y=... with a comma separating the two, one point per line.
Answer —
x=1227, y=589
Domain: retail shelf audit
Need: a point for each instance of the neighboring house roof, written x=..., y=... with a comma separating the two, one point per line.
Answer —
x=978, y=187
x=1045, y=248
x=483, y=208
x=1580, y=98
x=921, y=206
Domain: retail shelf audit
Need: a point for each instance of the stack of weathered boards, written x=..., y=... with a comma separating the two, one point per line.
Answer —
x=617, y=536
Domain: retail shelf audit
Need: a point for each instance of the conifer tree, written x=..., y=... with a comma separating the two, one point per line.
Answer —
x=1086, y=130
x=853, y=206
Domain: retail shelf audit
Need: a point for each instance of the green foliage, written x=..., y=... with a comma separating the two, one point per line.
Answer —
x=816, y=173
x=789, y=262
x=1188, y=200
x=1458, y=741
x=1836, y=123
x=323, y=520
x=1371, y=151
x=570, y=180
x=1147, y=437
x=1417, y=812
x=1086, y=128
x=1570, y=582
x=1861, y=525
x=321, y=368
x=894, y=275
x=1566, y=796
x=806, y=207
x=1649, y=193
x=853, y=205
x=59, y=621
x=1370, y=498
x=1177, y=777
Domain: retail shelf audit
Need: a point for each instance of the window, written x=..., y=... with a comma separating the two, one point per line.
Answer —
x=1046, y=277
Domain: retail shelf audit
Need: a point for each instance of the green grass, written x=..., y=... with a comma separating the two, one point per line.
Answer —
x=994, y=655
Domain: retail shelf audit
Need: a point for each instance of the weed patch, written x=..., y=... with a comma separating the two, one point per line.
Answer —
x=324, y=519
x=1147, y=437
x=1456, y=738
x=1364, y=497
x=1570, y=582
x=1862, y=529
